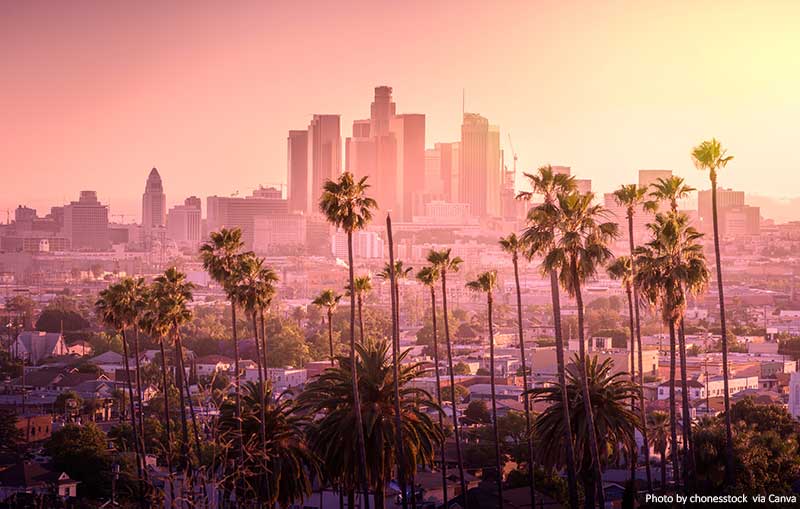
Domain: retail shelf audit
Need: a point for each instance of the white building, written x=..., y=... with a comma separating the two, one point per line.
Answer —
x=794, y=394
x=34, y=346
x=713, y=387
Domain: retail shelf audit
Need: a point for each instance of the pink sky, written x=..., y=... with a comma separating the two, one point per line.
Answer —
x=95, y=93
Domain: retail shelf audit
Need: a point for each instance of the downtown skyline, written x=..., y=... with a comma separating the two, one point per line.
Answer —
x=213, y=132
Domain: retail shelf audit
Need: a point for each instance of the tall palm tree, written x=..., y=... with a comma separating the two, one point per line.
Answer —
x=345, y=204
x=328, y=300
x=392, y=272
x=513, y=245
x=709, y=155
x=363, y=285
x=155, y=324
x=658, y=429
x=220, y=256
x=671, y=190
x=611, y=420
x=332, y=437
x=429, y=276
x=541, y=227
x=669, y=268
x=172, y=294
x=252, y=293
x=117, y=307
x=442, y=262
x=579, y=247
x=635, y=198
x=486, y=283
x=289, y=459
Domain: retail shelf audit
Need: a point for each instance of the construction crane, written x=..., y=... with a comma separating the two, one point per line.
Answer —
x=513, y=153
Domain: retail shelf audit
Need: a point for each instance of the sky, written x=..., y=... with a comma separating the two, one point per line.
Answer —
x=95, y=93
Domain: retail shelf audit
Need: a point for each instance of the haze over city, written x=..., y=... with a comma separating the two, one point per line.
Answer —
x=401, y=255
x=205, y=93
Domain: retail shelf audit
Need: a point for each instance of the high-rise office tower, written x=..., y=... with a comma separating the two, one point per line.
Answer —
x=381, y=111
x=297, y=163
x=359, y=152
x=324, y=155
x=229, y=212
x=649, y=177
x=184, y=222
x=409, y=133
x=154, y=202
x=480, y=171
x=86, y=223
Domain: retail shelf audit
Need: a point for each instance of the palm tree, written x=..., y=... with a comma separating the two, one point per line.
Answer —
x=154, y=323
x=669, y=268
x=363, y=285
x=658, y=429
x=220, y=255
x=252, y=293
x=333, y=437
x=579, y=247
x=172, y=294
x=290, y=461
x=346, y=205
x=611, y=421
x=328, y=300
x=442, y=262
x=634, y=198
x=429, y=276
x=709, y=155
x=486, y=283
x=118, y=307
x=541, y=228
x=621, y=268
x=670, y=189
x=513, y=245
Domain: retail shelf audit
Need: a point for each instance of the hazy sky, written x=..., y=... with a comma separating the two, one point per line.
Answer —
x=95, y=93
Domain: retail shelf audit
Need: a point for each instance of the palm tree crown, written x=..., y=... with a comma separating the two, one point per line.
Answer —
x=345, y=204
x=709, y=155
x=670, y=189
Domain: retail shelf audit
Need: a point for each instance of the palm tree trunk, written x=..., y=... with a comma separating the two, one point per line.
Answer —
x=402, y=467
x=180, y=375
x=587, y=403
x=196, y=435
x=664, y=466
x=264, y=345
x=140, y=393
x=688, y=446
x=642, y=411
x=456, y=431
x=672, y=419
x=633, y=452
x=167, y=424
x=261, y=425
x=730, y=473
x=438, y=392
x=572, y=482
x=525, y=388
x=330, y=333
x=354, y=369
x=360, y=318
x=237, y=389
x=140, y=465
x=497, y=461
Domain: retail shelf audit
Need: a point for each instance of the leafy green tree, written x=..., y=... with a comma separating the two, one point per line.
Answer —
x=81, y=452
x=10, y=435
x=478, y=412
x=24, y=307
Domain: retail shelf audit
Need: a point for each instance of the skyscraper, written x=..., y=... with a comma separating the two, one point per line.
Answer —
x=649, y=177
x=228, y=212
x=154, y=202
x=299, y=183
x=480, y=174
x=86, y=223
x=409, y=133
x=324, y=155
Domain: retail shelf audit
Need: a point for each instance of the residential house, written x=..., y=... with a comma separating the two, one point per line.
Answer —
x=36, y=479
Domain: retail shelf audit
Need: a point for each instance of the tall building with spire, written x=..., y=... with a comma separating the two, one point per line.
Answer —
x=154, y=202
